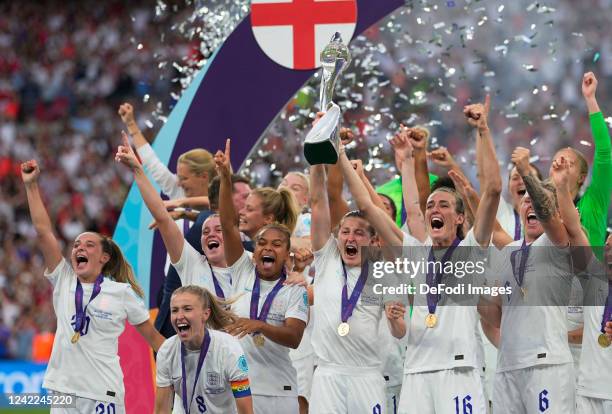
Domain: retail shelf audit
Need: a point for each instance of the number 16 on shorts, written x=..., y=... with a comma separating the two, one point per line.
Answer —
x=463, y=405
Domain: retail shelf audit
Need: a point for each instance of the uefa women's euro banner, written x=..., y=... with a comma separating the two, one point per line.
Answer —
x=236, y=95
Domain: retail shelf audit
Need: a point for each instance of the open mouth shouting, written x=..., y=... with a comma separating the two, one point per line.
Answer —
x=436, y=223
x=268, y=261
x=351, y=250
x=532, y=219
x=81, y=261
x=521, y=191
x=213, y=244
x=182, y=328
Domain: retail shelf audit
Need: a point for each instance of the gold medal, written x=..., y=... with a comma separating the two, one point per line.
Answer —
x=431, y=320
x=259, y=340
x=343, y=329
x=75, y=337
x=603, y=341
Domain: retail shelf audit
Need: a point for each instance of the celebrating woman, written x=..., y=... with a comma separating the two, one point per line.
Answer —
x=203, y=365
x=94, y=292
x=272, y=315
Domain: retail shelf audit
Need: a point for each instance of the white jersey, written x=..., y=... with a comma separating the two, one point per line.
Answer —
x=224, y=374
x=575, y=316
x=508, y=219
x=452, y=342
x=90, y=368
x=595, y=372
x=271, y=371
x=360, y=348
x=533, y=334
x=394, y=350
x=302, y=227
x=193, y=269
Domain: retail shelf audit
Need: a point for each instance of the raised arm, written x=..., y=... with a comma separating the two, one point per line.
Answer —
x=160, y=173
x=404, y=156
x=338, y=206
x=490, y=181
x=171, y=235
x=47, y=242
x=418, y=138
x=542, y=199
x=379, y=218
x=232, y=245
x=320, y=229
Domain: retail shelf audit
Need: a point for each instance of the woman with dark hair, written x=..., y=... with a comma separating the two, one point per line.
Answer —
x=93, y=295
x=273, y=315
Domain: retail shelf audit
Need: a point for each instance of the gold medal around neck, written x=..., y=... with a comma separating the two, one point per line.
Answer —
x=259, y=340
x=75, y=337
x=431, y=320
x=603, y=341
x=343, y=329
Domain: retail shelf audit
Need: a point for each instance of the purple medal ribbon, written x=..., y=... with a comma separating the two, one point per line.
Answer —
x=203, y=352
x=265, y=308
x=348, y=304
x=79, y=318
x=522, y=266
x=432, y=299
x=218, y=290
x=607, y=314
x=517, y=226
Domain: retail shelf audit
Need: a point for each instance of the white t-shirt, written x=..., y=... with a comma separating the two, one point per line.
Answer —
x=575, y=316
x=302, y=227
x=271, y=370
x=534, y=329
x=360, y=348
x=394, y=351
x=193, y=269
x=595, y=369
x=224, y=371
x=305, y=349
x=452, y=342
x=90, y=368
x=507, y=219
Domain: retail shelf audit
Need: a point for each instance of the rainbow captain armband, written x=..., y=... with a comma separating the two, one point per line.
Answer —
x=241, y=388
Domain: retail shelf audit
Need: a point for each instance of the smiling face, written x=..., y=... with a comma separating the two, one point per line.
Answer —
x=531, y=224
x=252, y=217
x=354, y=233
x=212, y=241
x=194, y=185
x=298, y=186
x=442, y=218
x=87, y=256
x=188, y=318
x=271, y=253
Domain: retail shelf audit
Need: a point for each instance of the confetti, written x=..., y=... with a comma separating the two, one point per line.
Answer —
x=596, y=57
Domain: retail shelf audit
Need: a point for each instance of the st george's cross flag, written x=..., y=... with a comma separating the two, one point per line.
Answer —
x=294, y=32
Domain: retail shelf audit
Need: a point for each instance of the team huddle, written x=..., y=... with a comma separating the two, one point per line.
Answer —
x=267, y=304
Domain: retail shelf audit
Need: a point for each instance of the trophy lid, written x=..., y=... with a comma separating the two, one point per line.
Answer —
x=335, y=50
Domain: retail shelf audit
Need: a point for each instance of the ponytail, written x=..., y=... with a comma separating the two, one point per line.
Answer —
x=117, y=267
x=281, y=204
x=220, y=317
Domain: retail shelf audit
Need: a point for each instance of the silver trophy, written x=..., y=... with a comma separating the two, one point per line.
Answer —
x=322, y=142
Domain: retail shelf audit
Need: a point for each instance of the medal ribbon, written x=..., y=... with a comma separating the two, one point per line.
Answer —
x=79, y=319
x=218, y=290
x=265, y=308
x=523, y=263
x=203, y=352
x=432, y=299
x=517, y=226
x=607, y=314
x=348, y=304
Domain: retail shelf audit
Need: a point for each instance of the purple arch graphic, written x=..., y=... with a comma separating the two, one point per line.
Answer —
x=241, y=93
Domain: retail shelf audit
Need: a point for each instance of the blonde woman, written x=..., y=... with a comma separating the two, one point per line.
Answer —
x=94, y=293
x=204, y=366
